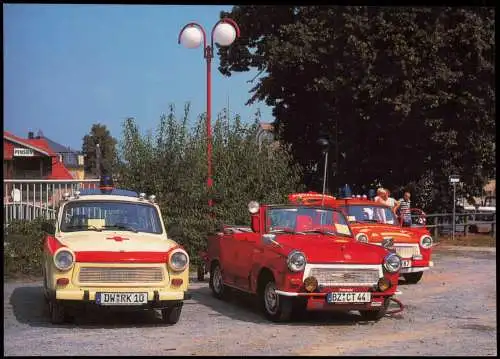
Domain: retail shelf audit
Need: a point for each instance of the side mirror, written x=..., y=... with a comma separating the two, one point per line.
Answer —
x=255, y=225
x=49, y=228
x=270, y=238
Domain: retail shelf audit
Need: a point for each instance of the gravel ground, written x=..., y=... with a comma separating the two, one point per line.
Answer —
x=452, y=311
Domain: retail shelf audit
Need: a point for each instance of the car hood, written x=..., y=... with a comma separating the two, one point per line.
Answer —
x=377, y=232
x=115, y=241
x=320, y=248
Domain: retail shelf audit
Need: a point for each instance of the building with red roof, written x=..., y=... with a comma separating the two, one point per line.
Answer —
x=31, y=158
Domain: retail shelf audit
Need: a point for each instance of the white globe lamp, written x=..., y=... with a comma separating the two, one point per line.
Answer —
x=224, y=34
x=191, y=37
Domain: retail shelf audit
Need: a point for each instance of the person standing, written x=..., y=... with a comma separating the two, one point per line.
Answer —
x=391, y=202
x=381, y=196
x=404, y=209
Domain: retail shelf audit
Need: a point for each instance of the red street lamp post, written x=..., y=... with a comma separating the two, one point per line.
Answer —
x=192, y=35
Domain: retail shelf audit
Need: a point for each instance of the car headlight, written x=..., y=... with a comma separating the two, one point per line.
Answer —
x=296, y=261
x=392, y=263
x=64, y=259
x=361, y=237
x=178, y=260
x=426, y=241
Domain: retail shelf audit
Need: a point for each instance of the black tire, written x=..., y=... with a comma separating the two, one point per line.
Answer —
x=375, y=315
x=171, y=315
x=57, y=312
x=413, y=278
x=216, y=283
x=200, y=273
x=276, y=308
x=45, y=289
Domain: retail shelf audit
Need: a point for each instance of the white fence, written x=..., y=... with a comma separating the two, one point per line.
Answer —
x=29, y=199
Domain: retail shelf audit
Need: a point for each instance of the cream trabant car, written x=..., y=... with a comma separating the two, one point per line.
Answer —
x=109, y=247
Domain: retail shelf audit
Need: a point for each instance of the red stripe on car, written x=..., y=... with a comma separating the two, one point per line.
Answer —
x=52, y=244
x=124, y=257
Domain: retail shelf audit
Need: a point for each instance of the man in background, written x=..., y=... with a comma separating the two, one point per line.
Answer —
x=404, y=209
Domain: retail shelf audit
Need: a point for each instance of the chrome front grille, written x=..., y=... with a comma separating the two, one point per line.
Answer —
x=120, y=275
x=407, y=251
x=343, y=276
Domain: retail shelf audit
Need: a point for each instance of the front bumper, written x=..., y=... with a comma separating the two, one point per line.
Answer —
x=88, y=295
x=415, y=269
x=317, y=301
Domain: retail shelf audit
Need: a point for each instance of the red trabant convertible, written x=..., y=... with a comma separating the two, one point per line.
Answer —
x=375, y=223
x=302, y=257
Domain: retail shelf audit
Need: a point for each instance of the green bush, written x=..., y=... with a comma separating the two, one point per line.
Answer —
x=172, y=164
x=23, y=246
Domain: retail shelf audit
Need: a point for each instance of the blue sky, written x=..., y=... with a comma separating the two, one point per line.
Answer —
x=69, y=66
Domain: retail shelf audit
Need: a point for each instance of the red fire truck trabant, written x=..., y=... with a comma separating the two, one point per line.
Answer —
x=302, y=257
x=375, y=223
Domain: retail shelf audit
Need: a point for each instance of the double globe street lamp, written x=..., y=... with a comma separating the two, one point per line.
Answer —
x=192, y=35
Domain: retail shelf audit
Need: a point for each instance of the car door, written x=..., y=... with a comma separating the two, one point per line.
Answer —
x=243, y=252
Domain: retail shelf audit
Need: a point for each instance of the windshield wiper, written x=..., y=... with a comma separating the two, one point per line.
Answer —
x=322, y=231
x=285, y=230
x=122, y=226
x=81, y=226
x=371, y=220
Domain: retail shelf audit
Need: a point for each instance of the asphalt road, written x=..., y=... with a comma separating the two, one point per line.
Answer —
x=452, y=311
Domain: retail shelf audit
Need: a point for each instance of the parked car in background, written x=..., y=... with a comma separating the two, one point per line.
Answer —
x=304, y=258
x=375, y=223
x=109, y=248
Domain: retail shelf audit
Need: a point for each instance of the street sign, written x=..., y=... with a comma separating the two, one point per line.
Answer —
x=454, y=179
x=23, y=152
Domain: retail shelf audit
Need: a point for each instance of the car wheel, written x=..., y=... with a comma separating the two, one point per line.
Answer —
x=57, y=312
x=45, y=289
x=413, y=278
x=276, y=307
x=375, y=315
x=171, y=315
x=219, y=289
x=200, y=273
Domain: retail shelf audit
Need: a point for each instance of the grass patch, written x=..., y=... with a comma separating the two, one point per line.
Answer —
x=472, y=240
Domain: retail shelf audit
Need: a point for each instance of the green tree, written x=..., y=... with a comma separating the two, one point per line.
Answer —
x=171, y=163
x=406, y=95
x=99, y=134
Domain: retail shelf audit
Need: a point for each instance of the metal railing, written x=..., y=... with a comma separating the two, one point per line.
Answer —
x=29, y=199
x=468, y=222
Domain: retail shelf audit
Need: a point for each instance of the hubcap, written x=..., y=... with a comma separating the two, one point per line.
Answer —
x=217, y=281
x=271, y=299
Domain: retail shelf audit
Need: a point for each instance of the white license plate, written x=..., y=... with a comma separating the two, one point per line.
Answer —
x=406, y=263
x=121, y=298
x=349, y=297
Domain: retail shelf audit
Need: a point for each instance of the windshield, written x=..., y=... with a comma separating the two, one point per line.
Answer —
x=371, y=213
x=301, y=220
x=110, y=215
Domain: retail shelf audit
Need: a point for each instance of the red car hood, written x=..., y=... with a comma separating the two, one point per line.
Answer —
x=320, y=248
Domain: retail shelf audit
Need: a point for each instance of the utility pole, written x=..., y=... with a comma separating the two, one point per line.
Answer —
x=454, y=179
x=324, y=144
x=98, y=160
